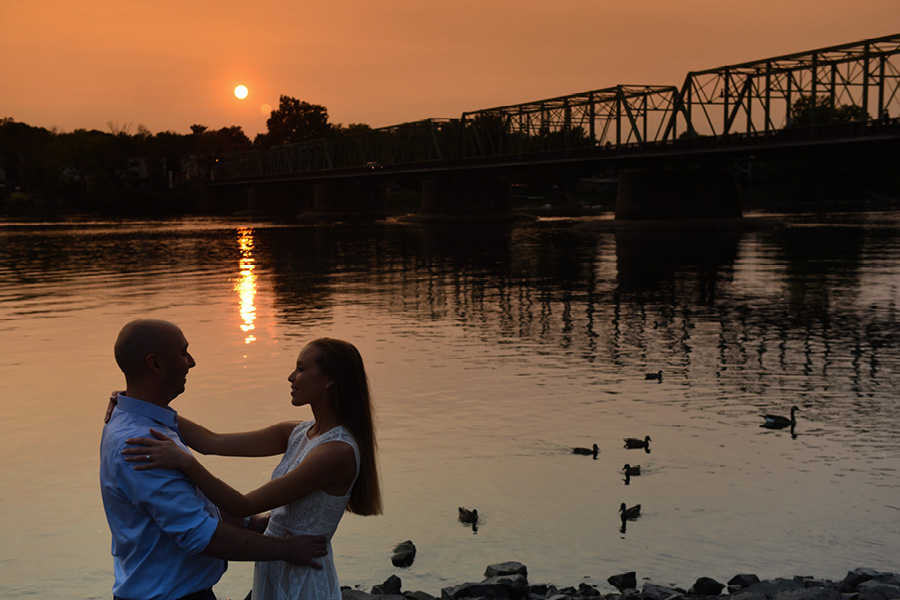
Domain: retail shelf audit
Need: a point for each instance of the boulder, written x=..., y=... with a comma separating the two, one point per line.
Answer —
x=506, y=568
x=651, y=591
x=706, y=586
x=506, y=586
x=623, y=581
x=877, y=590
x=418, y=596
x=390, y=587
x=352, y=594
x=742, y=580
x=404, y=554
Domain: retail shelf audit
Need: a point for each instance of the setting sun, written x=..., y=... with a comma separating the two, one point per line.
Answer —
x=241, y=92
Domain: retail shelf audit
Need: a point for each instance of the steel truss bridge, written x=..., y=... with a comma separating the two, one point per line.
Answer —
x=842, y=93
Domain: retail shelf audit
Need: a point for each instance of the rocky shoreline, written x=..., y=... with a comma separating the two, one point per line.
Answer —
x=509, y=581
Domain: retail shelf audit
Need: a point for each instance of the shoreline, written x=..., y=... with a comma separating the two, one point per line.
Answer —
x=509, y=580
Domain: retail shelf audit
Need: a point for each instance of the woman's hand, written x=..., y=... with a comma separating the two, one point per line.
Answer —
x=113, y=399
x=158, y=452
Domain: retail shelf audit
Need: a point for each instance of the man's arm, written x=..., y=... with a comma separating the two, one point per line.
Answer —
x=234, y=543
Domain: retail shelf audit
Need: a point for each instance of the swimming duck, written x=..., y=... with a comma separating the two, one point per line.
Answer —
x=638, y=443
x=469, y=517
x=779, y=422
x=633, y=471
x=657, y=375
x=630, y=513
x=587, y=451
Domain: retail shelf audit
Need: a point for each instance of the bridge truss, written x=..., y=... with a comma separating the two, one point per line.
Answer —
x=852, y=82
x=851, y=87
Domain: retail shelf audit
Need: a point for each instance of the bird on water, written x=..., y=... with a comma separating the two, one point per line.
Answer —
x=632, y=471
x=657, y=376
x=469, y=517
x=780, y=422
x=632, y=443
x=630, y=513
x=587, y=451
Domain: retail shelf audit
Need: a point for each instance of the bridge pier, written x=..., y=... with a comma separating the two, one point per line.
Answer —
x=466, y=196
x=359, y=199
x=646, y=194
x=271, y=199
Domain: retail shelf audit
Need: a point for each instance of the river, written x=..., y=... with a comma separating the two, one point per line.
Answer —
x=492, y=351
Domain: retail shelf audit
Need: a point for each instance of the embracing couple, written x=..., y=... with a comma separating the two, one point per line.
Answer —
x=174, y=524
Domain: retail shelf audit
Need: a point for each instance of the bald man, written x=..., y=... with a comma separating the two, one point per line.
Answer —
x=168, y=540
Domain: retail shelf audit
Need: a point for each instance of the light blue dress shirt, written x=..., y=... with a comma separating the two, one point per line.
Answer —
x=159, y=520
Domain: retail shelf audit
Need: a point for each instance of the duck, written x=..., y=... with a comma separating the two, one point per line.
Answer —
x=638, y=443
x=780, y=422
x=632, y=471
x=630, y=513
x=469, y=517
x=657, y=376
x=587, y=451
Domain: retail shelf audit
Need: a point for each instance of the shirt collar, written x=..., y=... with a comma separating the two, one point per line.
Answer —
x=164, y=415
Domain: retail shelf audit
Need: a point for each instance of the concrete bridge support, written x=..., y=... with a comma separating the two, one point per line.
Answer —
x=273, y=199
x=354, y=199
x=646, y=194
x=466, y=196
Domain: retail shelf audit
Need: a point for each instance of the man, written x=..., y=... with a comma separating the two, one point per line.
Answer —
x=168, y=540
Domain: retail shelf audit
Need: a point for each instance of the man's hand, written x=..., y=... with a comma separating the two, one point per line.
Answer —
x=302, y=549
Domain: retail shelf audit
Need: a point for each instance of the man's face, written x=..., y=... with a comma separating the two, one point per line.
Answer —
x=176, y=362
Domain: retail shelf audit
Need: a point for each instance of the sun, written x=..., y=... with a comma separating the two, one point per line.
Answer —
x=241, y=92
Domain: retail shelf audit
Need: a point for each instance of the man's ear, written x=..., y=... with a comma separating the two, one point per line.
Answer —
x=154, y=364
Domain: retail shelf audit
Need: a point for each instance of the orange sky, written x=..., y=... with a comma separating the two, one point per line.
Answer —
x=167, y=65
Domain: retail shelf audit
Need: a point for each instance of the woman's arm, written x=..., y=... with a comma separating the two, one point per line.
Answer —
x=267, y=441
x=330, y=467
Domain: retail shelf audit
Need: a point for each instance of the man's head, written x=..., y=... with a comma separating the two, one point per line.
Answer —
x=153, y=356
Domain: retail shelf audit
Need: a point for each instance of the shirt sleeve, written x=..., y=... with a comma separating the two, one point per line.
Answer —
x=172, y=501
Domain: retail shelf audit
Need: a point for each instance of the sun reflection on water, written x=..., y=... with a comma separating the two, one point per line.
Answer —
x=245, y=285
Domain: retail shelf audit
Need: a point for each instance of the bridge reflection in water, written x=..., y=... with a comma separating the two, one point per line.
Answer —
x=790, y=300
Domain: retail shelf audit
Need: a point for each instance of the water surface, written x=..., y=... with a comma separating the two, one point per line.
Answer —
x=492, y=350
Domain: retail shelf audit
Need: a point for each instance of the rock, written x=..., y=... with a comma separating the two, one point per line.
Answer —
x=821, y=593
x=418, y=596
x=623, y=581
x=507, y=586
x=706, y=586
x=390, y=587
x=404, y=554
x=352, y=594
x=877, y=590
x=506, y=568
x=742, y=580
x=651, y=591
x=769, y=589
x=587, y=591
x=856, y=577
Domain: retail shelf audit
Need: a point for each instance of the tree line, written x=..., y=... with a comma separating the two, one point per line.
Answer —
x=93, y=169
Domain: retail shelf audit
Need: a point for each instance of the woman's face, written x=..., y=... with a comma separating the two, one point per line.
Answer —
x=308, y=383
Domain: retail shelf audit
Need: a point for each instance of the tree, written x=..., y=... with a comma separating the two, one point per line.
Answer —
x=296, y=121
x=819, y=110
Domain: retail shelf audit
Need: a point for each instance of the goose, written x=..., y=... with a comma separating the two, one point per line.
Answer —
x=779, y=422
x=630, y=513
x=657, y=375
x=587, y=451
x=469, y=517
x=638, y=443
x=633, y=471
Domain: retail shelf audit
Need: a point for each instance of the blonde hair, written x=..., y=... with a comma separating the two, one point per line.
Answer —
x=342, y=362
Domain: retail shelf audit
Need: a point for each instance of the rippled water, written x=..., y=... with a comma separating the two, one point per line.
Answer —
x=492, y=351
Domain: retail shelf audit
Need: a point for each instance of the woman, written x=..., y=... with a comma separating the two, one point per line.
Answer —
x=328, y=465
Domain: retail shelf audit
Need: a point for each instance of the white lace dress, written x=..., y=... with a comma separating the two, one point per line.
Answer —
x=315, y=514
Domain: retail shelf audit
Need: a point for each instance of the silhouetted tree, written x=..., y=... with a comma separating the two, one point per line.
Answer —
x=296, y=121
x=808, y=110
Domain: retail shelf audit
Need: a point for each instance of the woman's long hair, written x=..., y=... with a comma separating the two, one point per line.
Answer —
x=341, y=361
